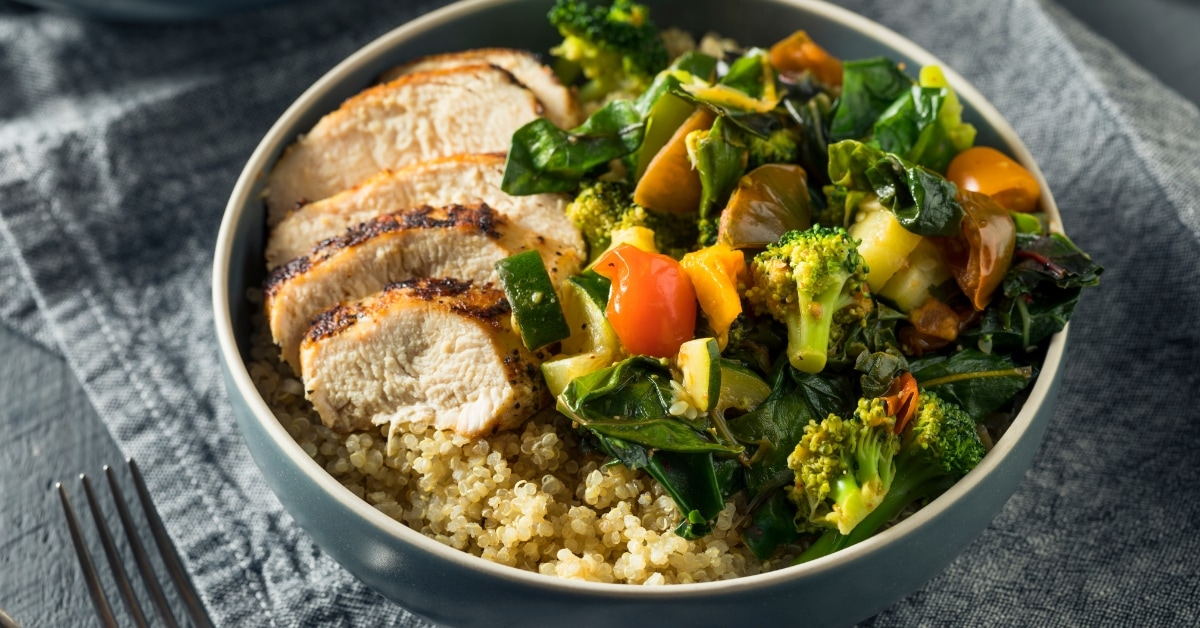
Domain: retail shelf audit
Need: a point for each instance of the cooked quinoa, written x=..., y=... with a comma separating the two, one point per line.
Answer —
x=528, y=498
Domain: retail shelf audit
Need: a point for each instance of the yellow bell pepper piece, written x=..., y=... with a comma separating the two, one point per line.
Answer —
x=714, y=272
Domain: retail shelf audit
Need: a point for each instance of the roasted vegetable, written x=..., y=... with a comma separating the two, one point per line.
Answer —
x=602, y=207
x=814, y=282
x=652, y=305
x=940, y=446
x=617, y=47
x=989, y=171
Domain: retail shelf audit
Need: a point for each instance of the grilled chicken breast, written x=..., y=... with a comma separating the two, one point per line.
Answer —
x=461, y=179
x=426, y=349
x=562, y=107
x=460, y=242
x=466, y=109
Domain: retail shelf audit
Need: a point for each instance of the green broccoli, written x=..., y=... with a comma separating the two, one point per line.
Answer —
x=603, y=206
x=843, y=468
x=617, y=47
x=814, y=282
x=782, y=146
x=939, y=446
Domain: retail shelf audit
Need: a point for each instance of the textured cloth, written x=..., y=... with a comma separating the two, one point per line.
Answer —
x=119, y=145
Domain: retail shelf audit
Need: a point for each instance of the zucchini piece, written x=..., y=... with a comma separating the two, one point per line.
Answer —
x=536, y=311
x=699, y=362
x=741, y=388
x=592, y=343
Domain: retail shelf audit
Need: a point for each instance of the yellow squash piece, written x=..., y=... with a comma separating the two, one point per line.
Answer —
x=884, y=244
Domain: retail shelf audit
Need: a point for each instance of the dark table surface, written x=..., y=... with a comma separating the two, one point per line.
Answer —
x=52, y=432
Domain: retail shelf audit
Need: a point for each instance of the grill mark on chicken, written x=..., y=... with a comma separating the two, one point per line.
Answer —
x=478, y=304
x=480, y=218
x=349, y=397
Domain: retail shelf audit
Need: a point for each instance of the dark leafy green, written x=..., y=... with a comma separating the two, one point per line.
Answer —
x=690, y=480
x=720, y=158
x=869, y=87
x=749, y=74
x=771, y=525
x=922, y=200
x=545, y=158
x=1041, y=290
x=630, y=401
x=979, y=382
x=915, y=128
x=692, y=62
x=813, y=116
x=774, y=428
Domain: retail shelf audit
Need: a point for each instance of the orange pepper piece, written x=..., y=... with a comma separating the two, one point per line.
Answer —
x=714, y=272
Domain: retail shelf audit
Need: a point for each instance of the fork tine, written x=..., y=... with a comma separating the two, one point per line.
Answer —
x=139, y=552
x=178, y=575
x=114, y=558
x=99, y=600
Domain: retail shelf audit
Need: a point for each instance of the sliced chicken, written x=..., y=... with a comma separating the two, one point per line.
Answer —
x=435, y=350
x=466, y=109
x=562, y=107
x=461, y=179
x=460, y=242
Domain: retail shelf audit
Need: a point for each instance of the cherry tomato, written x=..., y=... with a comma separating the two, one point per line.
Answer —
x=987, y=170
x=981, y=256
x=652, y=305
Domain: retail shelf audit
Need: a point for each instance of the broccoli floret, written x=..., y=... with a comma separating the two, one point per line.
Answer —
x=814, y=282
x=604, y=206
x=782, y=146
x=843, y=468
x=937, y=448
x=617, y=47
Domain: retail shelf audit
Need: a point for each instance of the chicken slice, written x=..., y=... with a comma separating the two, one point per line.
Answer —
x=431, y=350
x=460, y=242
x=466, y=109
x=562, y=107
x=461, y=179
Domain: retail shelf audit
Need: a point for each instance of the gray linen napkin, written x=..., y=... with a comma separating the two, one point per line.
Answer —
x=119, y=145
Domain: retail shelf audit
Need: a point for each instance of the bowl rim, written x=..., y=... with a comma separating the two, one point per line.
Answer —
x=239, y=375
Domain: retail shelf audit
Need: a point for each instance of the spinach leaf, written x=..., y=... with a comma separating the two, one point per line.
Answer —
x=869, y=87
x=777, y=424
x=922, y=201
x=630, y=401
x=925, y=125
x=813, y=116
x=545, y=158
x=690, y=480
x=771, y=525
x=750, y=73
x=979, y=382
x=691, y=63
x=1041, y=290
x=720, y=158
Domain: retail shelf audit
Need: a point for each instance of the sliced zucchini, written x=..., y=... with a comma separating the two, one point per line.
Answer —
x=741, y=388
x=537, y=313
x=698, y=361
x=592, y=343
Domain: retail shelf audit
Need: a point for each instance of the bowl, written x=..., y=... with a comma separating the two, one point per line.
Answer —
x=446, y=585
